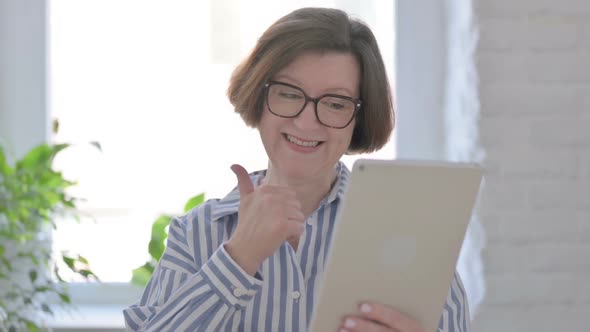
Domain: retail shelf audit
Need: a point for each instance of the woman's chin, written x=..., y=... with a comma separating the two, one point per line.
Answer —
x=300, y=173
x=294, y=170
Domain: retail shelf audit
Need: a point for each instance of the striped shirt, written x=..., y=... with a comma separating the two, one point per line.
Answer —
x=197, y=286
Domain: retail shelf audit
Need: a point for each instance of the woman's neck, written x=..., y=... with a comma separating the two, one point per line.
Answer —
x=310, y=191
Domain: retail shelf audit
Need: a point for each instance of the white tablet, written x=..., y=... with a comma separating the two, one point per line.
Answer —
x=397, y=239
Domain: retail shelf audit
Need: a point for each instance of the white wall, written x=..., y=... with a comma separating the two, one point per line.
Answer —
x=420, y=77
x=437, y=102
x=23, y=97
x=534, y=68
x=461, y=130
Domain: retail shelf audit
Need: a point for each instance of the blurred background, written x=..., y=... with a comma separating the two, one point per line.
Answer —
x=503, y=83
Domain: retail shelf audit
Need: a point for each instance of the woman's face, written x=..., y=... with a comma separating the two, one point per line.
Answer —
x=301, y=146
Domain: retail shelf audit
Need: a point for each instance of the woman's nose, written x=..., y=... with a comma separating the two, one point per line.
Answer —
x=307, y=119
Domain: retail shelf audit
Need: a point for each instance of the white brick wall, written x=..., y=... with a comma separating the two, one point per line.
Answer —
x=533, y=61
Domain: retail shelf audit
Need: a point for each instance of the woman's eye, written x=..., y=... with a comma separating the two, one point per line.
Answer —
x=334, y=106
x=288, y=95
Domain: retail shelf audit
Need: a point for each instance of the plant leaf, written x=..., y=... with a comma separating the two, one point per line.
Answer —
x=32, y=327
x=64, y=297
x=46, y=308
x=86, y=273
x=56, y=271
x=42, y=289
x=57, y=148
x=97, y=145
x=55, y=126
x=37, y=156
x=82, y=259
x=4, y=167
x=69, y=261
x=33, y=275
x=156, y=246
x=141, y=276
x=6, y=263
x=194, y=201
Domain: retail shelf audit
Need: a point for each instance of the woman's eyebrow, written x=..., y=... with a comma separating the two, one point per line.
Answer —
x=288, y=78
x=341, y=90
x=298, y=84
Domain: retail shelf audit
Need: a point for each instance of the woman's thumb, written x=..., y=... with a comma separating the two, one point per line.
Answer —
x=245, y=185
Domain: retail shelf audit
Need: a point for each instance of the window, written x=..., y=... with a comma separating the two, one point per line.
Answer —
x=148, y=80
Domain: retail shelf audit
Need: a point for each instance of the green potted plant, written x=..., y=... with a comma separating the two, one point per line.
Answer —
x=32, y=195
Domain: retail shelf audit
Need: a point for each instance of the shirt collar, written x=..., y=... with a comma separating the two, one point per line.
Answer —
x=231, y=202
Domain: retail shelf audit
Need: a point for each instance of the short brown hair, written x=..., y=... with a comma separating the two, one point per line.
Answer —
x=323, y=30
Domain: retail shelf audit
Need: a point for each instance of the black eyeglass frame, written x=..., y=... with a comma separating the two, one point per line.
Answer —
x=357, y=103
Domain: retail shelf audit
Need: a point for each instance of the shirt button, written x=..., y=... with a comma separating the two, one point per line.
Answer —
x=296, y=295
x=238, y=292
x=310, y=221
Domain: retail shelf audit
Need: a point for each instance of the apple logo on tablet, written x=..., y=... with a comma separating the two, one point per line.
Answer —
x=398, y=252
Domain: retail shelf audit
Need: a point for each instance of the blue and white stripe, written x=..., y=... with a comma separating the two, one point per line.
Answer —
x=198, y=287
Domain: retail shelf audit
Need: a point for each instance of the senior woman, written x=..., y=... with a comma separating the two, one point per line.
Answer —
x=315, y=87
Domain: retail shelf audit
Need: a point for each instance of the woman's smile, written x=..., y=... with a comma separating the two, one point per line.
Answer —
x=302, y=145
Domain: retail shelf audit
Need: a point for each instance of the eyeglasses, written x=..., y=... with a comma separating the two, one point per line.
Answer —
x=331, y=110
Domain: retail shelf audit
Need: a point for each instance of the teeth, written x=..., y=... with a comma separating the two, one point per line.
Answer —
x=302, y=143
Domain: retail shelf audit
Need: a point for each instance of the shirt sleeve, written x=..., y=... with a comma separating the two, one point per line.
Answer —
x=455, y=317
x=183, y=297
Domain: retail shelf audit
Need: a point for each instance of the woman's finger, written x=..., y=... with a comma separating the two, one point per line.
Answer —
x=294, y=229
x=245, y=185
x=360, y=324
x=390, y=317
x=295, y=214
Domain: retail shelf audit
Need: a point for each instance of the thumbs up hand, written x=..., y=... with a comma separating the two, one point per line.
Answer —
x=267, y=217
